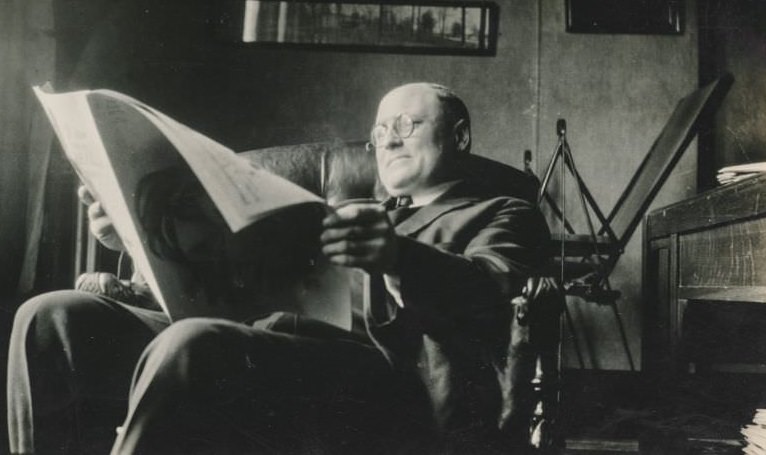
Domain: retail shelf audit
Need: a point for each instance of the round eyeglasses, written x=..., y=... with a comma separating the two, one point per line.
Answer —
x=403, y=126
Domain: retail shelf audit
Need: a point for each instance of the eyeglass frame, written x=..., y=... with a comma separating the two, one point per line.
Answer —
x=395, y=127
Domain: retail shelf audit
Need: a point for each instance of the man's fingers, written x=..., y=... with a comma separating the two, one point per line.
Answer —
x=353, y=232
x=95, y=211
x=360, y=235
x=101, y=227
x=361, y=248
x=100, y=224
x=85, y=195
x=354, y=214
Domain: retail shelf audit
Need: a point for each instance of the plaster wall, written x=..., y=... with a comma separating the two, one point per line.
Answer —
x=616, y=93
x=735, y=37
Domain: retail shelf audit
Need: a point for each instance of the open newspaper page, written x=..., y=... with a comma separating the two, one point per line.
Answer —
x=116, y=144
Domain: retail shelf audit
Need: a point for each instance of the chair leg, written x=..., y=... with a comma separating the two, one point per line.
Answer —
x=545, y=432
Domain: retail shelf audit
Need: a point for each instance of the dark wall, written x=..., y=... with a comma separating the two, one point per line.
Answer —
x=733, y=38
x=166, y=54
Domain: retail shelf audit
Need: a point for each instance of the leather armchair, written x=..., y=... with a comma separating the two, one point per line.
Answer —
x=530, y=377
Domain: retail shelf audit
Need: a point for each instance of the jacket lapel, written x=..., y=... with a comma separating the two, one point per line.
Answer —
x=455, y=198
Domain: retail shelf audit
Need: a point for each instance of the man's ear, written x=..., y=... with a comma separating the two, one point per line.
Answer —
x=462, y=134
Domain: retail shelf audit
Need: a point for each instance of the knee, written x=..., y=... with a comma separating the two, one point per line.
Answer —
x=46, y=327
x=51, y=312
x=195, y=348
x=189, y=336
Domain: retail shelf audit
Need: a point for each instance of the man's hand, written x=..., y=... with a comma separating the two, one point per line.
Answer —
x=100, y=224
x=360, y=235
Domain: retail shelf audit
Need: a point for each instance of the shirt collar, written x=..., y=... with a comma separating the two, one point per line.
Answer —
x=431, y=194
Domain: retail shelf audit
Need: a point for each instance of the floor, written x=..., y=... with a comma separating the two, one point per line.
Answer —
x=626, y=447
x=621, y=413
x=604, y=413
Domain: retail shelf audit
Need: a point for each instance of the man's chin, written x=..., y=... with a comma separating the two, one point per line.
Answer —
x=398, y=187
x=398, y=182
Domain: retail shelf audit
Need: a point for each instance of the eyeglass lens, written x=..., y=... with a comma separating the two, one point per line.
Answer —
x=402, y=125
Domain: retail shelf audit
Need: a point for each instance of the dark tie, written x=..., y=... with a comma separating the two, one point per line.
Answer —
x=401, y=209
x=403, y=202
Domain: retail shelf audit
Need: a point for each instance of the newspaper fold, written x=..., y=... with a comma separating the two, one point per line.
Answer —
x=114, y=141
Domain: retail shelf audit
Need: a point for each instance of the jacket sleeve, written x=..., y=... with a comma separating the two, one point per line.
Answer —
x=445, y=289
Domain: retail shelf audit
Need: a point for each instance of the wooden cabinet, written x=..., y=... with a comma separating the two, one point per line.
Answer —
x=704, y=281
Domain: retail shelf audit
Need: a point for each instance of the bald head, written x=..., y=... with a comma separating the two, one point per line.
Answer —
x=451, y=107
x=418, y=128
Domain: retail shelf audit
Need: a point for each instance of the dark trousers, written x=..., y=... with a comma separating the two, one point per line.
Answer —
x=200, y=385
x=70, y=363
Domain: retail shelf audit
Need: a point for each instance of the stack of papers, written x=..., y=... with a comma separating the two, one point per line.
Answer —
x=755, y=434
x=731, y=174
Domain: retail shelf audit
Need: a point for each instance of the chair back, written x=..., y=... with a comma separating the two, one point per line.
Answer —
x=346, y=170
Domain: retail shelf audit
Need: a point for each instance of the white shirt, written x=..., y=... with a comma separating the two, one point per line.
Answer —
x=393, y=282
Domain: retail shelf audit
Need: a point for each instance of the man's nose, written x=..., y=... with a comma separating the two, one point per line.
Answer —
x=391, y=139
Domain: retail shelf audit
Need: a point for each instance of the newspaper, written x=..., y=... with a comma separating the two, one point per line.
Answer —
x=114, y=142
x=732, y=174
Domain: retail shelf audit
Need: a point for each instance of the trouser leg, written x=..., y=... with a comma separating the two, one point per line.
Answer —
x=71, y=357
x=212, y=386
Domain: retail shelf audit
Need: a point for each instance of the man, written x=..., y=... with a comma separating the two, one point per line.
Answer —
x=438, y=326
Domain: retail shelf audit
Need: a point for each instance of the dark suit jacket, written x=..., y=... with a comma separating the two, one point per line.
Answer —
x=462, y=259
